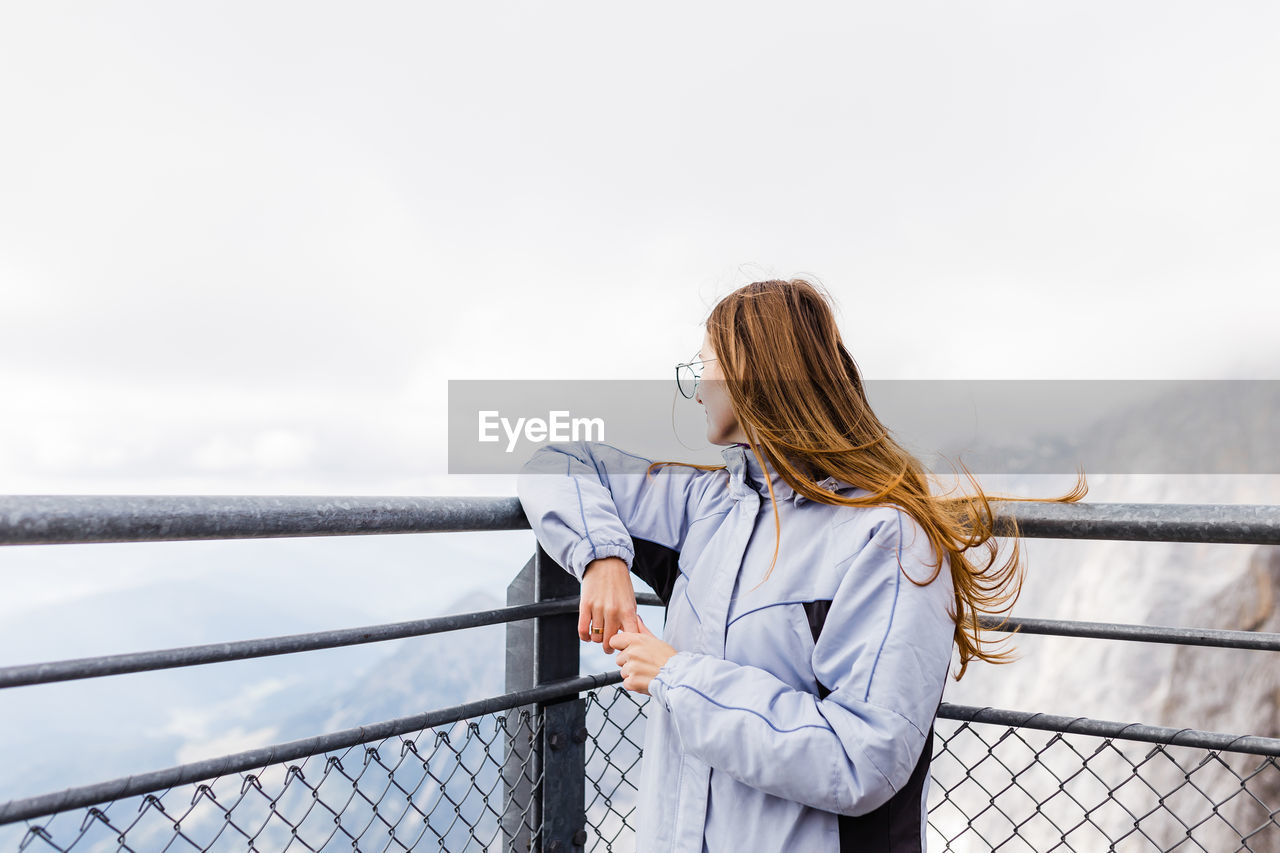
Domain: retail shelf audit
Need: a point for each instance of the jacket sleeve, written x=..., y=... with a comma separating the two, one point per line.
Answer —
x=884, y=653
x=585, y=500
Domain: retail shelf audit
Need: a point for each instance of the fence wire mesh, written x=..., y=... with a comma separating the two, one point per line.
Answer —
x=615, y=739
x=441, y=789
x=473, y=785
x=1015, y=789
x=1010, y=789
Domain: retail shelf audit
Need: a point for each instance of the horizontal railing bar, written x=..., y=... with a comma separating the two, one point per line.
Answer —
x=116, y=789
x=199, y=771
x=1245, y=524
x=1110, y=729
x=69, y=519
x=1253, y=640
x=96, y=667
x=65, y=519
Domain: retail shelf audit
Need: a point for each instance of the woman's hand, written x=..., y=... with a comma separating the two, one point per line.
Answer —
x=608, y=601
x=642, y=656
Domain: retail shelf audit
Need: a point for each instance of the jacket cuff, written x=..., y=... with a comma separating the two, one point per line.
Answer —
x=585, y=551
x=670, y=675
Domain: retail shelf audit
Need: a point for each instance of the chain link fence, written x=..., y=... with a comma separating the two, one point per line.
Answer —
x=993, y=787
x=1016, y=789
x=615, y=740
x=481, y=778
x=440, y=789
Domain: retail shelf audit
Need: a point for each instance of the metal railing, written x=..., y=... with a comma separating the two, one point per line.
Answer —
x=553, y=763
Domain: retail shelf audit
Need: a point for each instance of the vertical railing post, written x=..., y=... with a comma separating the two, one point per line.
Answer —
x=521, y=812
x=564, y=729
x=540, y=651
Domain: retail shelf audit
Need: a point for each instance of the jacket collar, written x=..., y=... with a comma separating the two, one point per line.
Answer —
x=747, y=477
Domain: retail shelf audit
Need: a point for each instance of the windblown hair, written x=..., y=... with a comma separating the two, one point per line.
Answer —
x=798, y=395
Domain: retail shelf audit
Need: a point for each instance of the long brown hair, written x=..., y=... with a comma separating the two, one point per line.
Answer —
x=798, y=395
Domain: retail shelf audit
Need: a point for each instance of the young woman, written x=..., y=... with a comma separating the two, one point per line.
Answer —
x=814, y=585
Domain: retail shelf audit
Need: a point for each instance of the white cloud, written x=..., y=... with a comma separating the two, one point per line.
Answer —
x=282, y=448
x=219, y=453
x=235, y=740
x=267, y=450
x=196, y=724
x=205, y=288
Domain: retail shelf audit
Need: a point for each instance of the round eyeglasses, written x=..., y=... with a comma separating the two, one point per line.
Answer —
x=688, y=375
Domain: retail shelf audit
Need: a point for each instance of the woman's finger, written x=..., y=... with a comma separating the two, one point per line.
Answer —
x=584, y=621
x=611, y=626
x=631, y=622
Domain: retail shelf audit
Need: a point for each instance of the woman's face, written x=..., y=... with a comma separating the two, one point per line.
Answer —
x=722, y=425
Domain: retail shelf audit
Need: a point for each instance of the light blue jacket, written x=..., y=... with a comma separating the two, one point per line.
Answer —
x=797, y=713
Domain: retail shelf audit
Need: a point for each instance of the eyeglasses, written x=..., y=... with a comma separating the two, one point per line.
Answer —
x=688, y=375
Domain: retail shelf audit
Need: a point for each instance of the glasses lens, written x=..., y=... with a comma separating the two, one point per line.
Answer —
x=686, y=380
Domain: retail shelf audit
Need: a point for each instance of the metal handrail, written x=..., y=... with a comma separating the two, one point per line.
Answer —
x=67, y=519
x=95, y=667
x=83, y=519
x=1162, y=735
x=130, y=662
x=1213, y=637
x=145, y=783
x=1242, y=524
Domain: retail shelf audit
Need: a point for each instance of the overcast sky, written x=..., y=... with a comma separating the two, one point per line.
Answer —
x=243, y=246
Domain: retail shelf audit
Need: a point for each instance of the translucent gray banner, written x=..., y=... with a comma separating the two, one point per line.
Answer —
x=992, y=426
